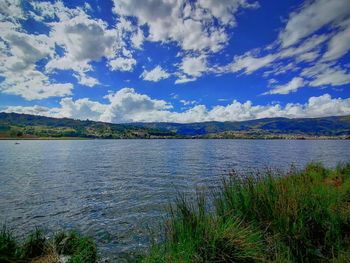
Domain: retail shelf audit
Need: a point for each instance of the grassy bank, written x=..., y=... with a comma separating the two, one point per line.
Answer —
x=67, y=247
x=299, y=216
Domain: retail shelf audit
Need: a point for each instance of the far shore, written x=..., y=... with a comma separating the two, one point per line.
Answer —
x=287, y=137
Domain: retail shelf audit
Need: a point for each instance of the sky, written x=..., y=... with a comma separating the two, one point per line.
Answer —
x=180, y=61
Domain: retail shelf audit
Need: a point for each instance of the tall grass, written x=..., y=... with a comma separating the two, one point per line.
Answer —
x=8, y=246
x=298, y=216
x=37, y=248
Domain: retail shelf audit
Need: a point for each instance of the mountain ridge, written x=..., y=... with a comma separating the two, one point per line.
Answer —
x=322, y=126
x=15, y=125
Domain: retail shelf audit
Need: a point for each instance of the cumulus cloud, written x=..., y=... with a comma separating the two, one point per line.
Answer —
x=223, y=10
x=194, y=66
x=122, y=64
x=71, y=39
x=80, y=109
x=85, y=40
x=126, y=105
x=86, y=80
x=190, y=24
x=11, y=10
x=72, y=42
x=34, y=85
x=191, y=68
x=20, y=53
x=155, y=74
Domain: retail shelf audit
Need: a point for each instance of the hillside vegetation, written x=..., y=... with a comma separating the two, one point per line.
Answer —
x=14, y=125
x=260, y=128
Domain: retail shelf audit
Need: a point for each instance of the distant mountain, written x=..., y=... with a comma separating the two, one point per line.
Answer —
x=13, y=125
x=326, y=126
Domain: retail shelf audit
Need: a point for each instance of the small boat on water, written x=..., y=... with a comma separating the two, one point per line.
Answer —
x=16, y=142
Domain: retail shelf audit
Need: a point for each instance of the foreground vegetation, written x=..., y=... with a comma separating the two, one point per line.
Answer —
x=271, y=216
x=301, y=216
x=63, y=247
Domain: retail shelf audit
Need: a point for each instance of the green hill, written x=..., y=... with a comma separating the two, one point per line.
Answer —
x=326, y=126
x=13, y=125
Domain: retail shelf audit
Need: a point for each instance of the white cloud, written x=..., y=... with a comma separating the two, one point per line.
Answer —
x=326, y=74
x=29, y=61
x=24, y=50
x=11, y=10
x=339, y=44
x=137, y=38
x=248, y=63
x=251, y=61
x=190, y=25
x=80, y=109
x=127, y=105
x=291, y=86
x=80, y=38
x=20, y=53
x=86, y=80
x=84, y=40
x=35, y=86
x=87, y=7
x=155, y=74
x=33, y=110
x=174, y=96
x=184, y=79
x=311, y=17
x=194, y=66
x=310, y=44
x=122, y=64
x=299, y=43
x=188, y=102
x=223, y=10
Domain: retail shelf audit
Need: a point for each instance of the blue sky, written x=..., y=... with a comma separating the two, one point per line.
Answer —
x=176, y=61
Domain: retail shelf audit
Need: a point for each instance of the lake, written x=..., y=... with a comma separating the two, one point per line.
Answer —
x=116, y=190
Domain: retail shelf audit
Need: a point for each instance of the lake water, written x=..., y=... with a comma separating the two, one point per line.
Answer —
x=115, y=190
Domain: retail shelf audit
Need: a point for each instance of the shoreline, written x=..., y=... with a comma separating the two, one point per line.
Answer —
x=289, y=138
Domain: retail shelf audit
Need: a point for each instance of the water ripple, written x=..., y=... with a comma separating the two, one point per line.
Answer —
x=114, y=190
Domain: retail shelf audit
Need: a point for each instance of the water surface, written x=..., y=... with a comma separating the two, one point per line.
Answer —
x=114, y=190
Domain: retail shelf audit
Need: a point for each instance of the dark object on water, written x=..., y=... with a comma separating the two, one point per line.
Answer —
x=16, y=142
